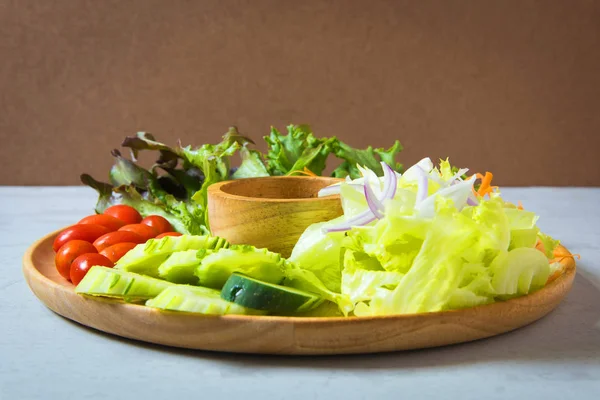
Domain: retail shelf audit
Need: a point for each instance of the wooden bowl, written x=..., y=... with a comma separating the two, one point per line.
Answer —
x=270, y=212
x=286, y=335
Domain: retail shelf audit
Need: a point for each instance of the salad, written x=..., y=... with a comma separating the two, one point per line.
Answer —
x=431, y=238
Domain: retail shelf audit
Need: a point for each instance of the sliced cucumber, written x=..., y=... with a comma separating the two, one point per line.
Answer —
x=196, y=299
x=109, y=282
x=146, y=258
x=217, y=266
x=252, y=293
x=180, y=267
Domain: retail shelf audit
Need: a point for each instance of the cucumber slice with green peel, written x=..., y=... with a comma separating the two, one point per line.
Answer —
x=196, y=299
x=109, y=282
x=147, y=257
x=180, y=267
x=252, y=293
x=217, y=266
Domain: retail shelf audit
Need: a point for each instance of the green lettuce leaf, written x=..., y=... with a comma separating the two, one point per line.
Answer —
x=320, y=253
x=297, y=150
x=369, y=158
x=146, y=141
x=184, y=217
x=519, y=271
x=216, y=267
x=360, y=280
x=549, y=244
x=251, y=166
x=304, y=279
x=393, y=241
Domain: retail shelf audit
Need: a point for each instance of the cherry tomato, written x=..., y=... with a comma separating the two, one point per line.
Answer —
x=162, y=235
x=108, y=221
x=116, y=251
x=160, y=224
x=87, y=232
x=69, y=252
x=145, y=231
x=116, y=237
x=82, y=264
x=127, y=214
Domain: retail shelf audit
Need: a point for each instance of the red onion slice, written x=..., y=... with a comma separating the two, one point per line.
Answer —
x=373, y=202
x=390, y=182
x=472, y=202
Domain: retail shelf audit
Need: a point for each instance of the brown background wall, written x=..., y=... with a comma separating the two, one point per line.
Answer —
x=508, y=86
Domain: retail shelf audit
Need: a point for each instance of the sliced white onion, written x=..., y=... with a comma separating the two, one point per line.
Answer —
x=459, y=193
x=358, y=220
x=460, y=173
x=336, y=189
x=423, y=188
x=330, y=190
x=412, y=174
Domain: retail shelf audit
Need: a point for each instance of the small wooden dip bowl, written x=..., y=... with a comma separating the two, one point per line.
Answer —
x=270, y=212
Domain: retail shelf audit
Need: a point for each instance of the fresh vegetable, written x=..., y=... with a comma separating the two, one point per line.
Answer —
x=158, y=223
x=519, y=271
x=438, y=242
x=427, y=240
x=86, y=232
x=106, y=234
x=82, y=264
x=115, y=252
x=180, y=267
x=107, y=221
x=127, y=214
x=320, y=253
x=145, y=231
x=217, y=266
x=175, y=186
x=362, y=277
x=68, y=253
x=110, y=282
x=146, y=258
x=252, y=293
x=112, y=238
x=196, y=300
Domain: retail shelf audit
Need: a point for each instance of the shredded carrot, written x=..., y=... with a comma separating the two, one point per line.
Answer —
x=484, y=188
x=306, y=172
x=520, y=206
x=561, y=251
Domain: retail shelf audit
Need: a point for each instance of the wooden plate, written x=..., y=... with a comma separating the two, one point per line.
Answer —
x=286, y=335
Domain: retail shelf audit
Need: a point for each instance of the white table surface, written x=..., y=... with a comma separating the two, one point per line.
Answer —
x=44, y=356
